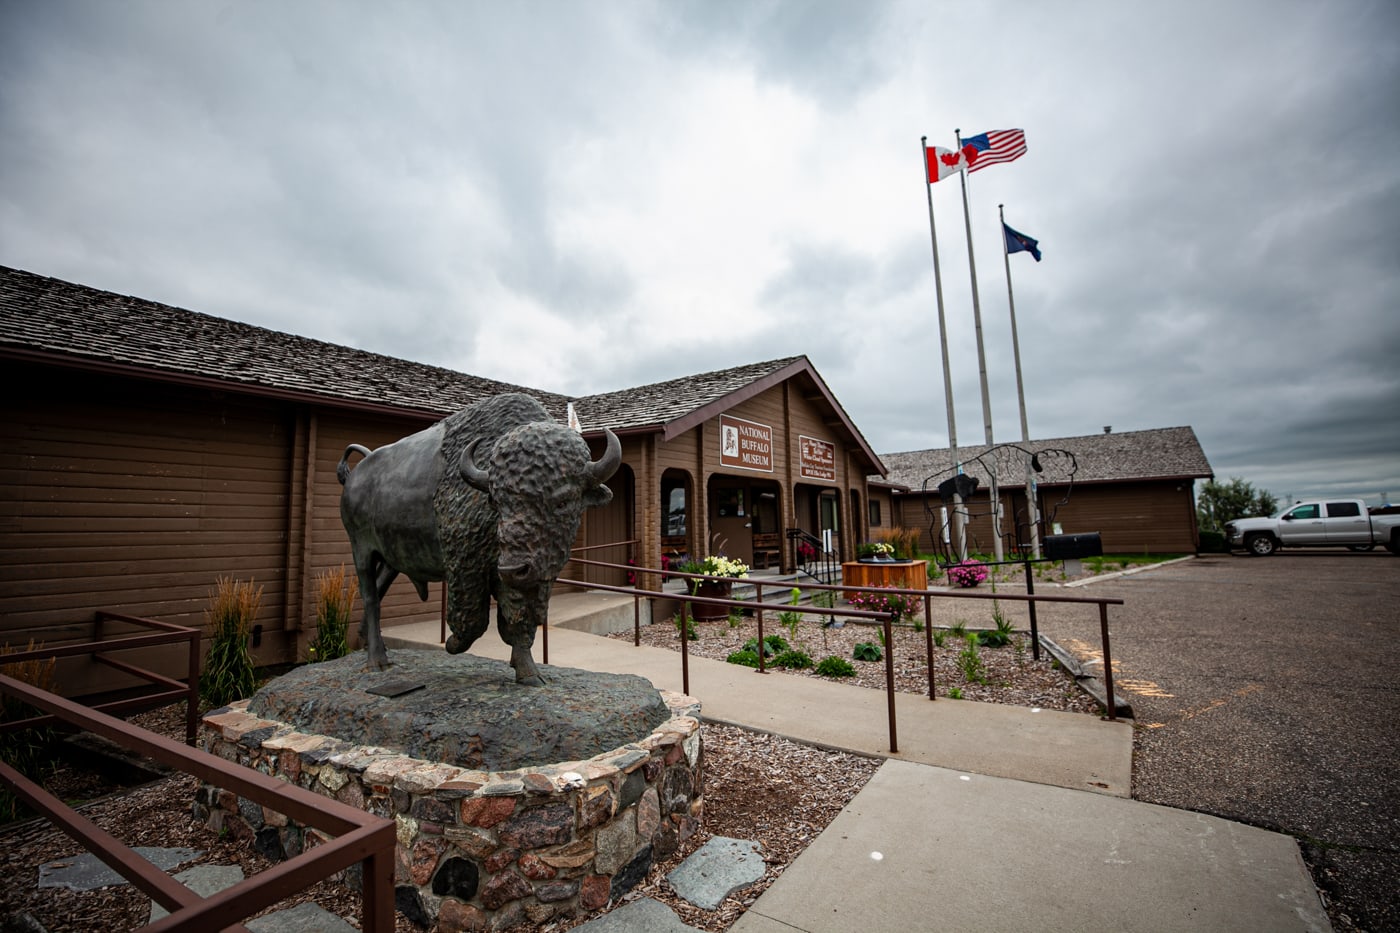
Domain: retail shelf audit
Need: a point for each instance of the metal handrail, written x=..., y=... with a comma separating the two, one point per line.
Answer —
x=1031, y=600
x=828, y=562
x=168, y=633
x=360, y=836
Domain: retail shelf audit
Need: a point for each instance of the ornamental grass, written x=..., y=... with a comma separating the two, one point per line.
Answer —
x=228, y=667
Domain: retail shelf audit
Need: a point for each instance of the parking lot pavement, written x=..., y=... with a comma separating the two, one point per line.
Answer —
x=1266, y=691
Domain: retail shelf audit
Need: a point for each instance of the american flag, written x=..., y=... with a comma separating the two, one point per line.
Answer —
x=992, y=147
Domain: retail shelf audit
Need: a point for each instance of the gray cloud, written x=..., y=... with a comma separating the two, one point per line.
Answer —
x=583, y=198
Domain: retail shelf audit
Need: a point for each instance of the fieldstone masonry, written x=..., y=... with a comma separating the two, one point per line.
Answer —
x=480, y=850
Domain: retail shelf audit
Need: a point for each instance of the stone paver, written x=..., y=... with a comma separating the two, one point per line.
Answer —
x=87, y=872
x=641, y=916
x=203, y=880
x=716, y=870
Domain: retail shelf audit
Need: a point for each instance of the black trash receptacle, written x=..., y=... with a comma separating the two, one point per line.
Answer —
x=1073, y=547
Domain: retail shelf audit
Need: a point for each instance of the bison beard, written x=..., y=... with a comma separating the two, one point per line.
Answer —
x=509, y=542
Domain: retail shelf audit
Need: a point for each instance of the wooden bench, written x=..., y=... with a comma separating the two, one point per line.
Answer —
x=767, y=551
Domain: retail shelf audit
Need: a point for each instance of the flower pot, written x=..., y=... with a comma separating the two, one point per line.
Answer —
x=715, y=589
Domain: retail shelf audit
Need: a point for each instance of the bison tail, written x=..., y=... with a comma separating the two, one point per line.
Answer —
x=342, y=469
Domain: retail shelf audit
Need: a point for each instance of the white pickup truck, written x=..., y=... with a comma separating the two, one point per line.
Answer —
x=1319, y=523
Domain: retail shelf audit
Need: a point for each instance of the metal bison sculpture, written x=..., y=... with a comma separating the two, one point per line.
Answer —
x=489, y=500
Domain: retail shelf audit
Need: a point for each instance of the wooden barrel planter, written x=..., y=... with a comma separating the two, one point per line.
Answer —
x=715, y=589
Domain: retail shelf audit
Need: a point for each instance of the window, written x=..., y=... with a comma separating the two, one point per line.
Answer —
x=673, y=500
x=1343, y=510
x=1304, y=511
x=874, y=511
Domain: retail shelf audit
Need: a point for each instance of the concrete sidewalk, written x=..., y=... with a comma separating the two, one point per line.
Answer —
x=981, y=819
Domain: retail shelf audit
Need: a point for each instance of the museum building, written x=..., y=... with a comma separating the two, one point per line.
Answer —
x=153, y=449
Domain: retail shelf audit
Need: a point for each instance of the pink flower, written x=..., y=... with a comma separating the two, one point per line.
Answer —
x=968, y=573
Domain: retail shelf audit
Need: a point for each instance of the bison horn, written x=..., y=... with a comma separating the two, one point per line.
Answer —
x=602, y=469
x=472, y=473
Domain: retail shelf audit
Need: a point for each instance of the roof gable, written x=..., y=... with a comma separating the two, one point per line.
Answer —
x=678, y=405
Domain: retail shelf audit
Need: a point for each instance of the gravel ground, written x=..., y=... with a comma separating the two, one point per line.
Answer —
x=1265, y=692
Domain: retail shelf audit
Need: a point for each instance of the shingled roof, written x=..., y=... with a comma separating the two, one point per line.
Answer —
x=46, y=318
x=49, y=319
x=1159, y=453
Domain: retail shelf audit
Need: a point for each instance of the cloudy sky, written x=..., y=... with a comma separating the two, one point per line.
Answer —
x=581, y=197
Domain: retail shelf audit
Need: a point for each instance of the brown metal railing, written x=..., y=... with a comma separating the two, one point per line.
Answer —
x=359, y=836
x=99, y=650
x=927, y=596
x=858, y=615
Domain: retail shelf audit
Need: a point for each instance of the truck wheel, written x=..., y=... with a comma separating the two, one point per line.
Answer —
x=1360, y=548
x=1394, y=545
x=1260, y=545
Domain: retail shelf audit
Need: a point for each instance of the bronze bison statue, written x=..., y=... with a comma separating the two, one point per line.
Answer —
x=488, y=500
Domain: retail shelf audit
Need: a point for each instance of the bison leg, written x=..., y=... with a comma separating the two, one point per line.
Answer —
x=468, y=608
x=375, y=577
x=518, y=614
x=525, y=671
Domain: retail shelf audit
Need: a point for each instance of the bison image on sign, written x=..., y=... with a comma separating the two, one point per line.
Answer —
x=488, y=500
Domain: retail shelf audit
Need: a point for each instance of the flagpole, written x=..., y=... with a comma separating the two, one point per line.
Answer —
x=1032, y=494
x=943, y=344
x=981, y=362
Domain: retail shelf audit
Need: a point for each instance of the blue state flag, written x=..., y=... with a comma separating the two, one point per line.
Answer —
x=1016, y=242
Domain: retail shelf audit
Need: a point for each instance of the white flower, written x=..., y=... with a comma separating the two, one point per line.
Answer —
x=724, y=567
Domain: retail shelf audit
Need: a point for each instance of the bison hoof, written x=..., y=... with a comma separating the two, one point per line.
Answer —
x=454, y=645
x=532, y=680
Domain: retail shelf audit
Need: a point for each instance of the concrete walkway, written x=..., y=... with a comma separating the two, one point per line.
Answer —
x=989, y=817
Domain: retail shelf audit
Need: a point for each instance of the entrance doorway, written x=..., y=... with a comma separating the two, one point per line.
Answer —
x=829, y=520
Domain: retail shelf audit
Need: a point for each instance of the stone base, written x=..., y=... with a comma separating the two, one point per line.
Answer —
x=480, y=849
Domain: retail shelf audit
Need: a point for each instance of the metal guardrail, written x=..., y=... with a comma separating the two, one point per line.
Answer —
x=359, y=836
x=98, y=649
x=860, y=616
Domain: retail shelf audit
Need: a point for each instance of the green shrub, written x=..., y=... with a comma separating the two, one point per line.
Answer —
x=228, y=668
x=865, y=651
x=745, y=658
x=791, y=620
x=835, y=667
x=793, y=659
x=772, y=644
x=970, y=661
x=690, y=633
x=998, y=637
x=955, y=693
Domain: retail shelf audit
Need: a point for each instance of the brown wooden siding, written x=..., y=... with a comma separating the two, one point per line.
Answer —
x=123, y=495
x=1148, y=517
x=1154, y=517
x=609, y=524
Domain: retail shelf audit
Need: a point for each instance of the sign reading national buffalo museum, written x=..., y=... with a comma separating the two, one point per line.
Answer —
x=818, y=458
x=747, y=445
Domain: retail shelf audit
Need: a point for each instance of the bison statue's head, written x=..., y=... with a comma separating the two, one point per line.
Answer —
x=540, y=478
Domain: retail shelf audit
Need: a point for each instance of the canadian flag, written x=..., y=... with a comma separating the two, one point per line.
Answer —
x=943, y=162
